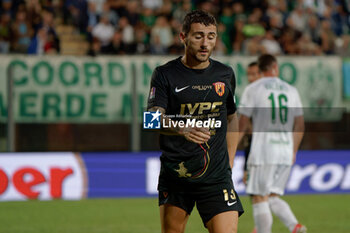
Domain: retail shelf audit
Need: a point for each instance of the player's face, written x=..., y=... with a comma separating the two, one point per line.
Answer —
x=253, y=73
x=200, y=41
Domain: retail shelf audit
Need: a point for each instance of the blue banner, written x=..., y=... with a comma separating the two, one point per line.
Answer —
x=118, y=174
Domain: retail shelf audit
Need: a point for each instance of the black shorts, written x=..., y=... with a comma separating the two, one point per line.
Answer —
x=220, y=198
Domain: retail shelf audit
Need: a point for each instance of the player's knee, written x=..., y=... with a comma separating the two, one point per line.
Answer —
x=233, y=229
x=258, y=198
x=172, y=227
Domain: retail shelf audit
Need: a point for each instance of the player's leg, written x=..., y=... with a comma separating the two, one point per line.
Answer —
x=258, y=187
x=219, y=207
x=225, y=222
x=262, y=214
x=279, y=207
x=282, y=210
x=173, y=219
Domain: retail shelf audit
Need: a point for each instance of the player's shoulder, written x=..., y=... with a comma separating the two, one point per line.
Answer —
x=168, y=65
x=221, y=66
x=256, y=84
x=290, y=87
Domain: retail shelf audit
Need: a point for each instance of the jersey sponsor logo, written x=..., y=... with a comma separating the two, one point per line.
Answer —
x=202, y=87
x=201, y=107
x=219, y=88
x=231, y=203
x=151, y=120
x=180, y=89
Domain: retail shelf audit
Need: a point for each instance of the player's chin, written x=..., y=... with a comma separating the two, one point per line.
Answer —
x=203, y=57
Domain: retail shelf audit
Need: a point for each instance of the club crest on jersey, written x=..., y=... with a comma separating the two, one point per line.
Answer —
x=219, y=88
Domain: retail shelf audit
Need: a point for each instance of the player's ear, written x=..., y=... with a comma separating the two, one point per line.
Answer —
x=275, y=69
x=183, y=37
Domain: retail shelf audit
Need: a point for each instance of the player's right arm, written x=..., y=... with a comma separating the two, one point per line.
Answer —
x=192, y=134
x=158, y=100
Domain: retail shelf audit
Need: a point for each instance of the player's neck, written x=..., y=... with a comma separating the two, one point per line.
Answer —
x=269, y=74
x=192, y=63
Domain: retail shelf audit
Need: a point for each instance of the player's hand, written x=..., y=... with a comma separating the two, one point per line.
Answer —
x=245, y=176
x=195, y=134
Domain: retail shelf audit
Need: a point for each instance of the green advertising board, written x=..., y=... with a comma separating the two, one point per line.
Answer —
x=99, y=90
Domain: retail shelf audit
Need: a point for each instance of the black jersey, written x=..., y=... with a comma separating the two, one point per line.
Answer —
x=201, y=94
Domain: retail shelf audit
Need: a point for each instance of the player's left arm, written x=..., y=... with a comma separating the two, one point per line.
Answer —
x=232, y=135
x=299, y=125
x=298, y=134
x=244, y=123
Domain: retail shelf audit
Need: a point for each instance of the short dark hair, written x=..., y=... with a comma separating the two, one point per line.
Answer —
x=254, y=63
x=266, y=61
x=197, y=16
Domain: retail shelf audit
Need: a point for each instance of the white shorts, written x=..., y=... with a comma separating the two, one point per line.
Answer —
x=266, y=179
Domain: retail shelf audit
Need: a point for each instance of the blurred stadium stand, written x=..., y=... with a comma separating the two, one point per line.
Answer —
x=151, y=27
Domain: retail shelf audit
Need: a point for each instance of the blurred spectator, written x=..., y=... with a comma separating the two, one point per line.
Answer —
x=6, y=8
x=22, y=32
x=5, y=33
x=152, y=4
x=103, y=32
x=165, y=9
x=313, y=28
x=42, y=43
x=141, y=45
x=34, y=9
x=76, y=14
x=253, y=26
x=270, y=44
x=161, y=36
x=132, y=12
x=238, y=36
x=224, y=37
x=340, y=20
x=148, y=18
x=327, y=37
x=93, y=17
x=298, y=18
x=343, y=45
x=305, y=46
x=208, y=6
x=95, y=48
x=97, y=5
x=227, y=18
x=280, y=26
x=127, y=31
x=253, y=47
x=275, y=25
x=176, y=47
x=112, y=15
x=220, y=48
x=288, y=39
x=180, y=12
x=118, y=46
x=238, y=12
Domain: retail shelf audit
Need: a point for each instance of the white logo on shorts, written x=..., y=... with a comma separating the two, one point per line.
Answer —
x=231, y=203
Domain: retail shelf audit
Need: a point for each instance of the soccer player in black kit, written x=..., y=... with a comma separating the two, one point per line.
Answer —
x=196, y=162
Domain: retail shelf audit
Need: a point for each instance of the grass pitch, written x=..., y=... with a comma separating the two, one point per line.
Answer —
x=320, y=213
